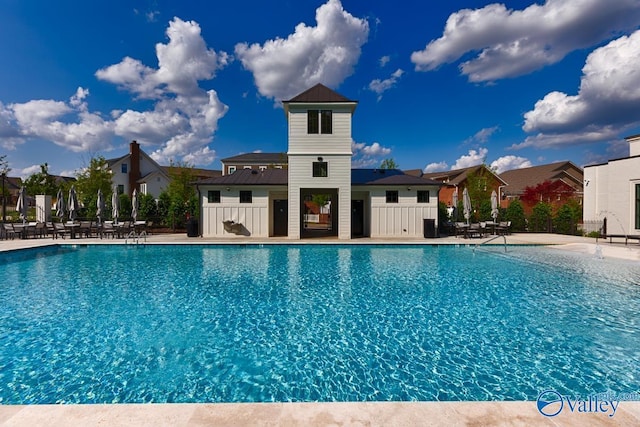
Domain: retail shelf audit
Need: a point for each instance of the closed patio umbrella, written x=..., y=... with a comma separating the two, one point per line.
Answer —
x=60, y=205
x=494, y=205
x=134, y=205
x=454, y=202
x=115, y=205
x=21, y=206
x=100, y=206
x=73, y=203
x=466, y=205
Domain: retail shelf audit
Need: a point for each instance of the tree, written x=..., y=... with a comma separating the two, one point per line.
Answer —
x=540, y=217
x=389, y=164
x=183, y=201
x=96, y=176
x=547, y=191
x=41, y=182
x=148, y=207
x=515, y=214
x=565, y=221
x=479, y=189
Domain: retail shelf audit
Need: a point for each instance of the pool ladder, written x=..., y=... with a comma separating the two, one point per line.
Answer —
x=135, y=237
x=491, y=240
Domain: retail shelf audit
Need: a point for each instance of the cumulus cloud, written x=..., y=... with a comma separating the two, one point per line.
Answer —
x=483, y=135
x=380, y=86
x=606, y=104
x=473, y=158
x=179, y=126
x=28, y=171
x=511, y=43
x=326, y=53
x=368, y=155
x=436, y=167
x=384, y=60
x=507, y=163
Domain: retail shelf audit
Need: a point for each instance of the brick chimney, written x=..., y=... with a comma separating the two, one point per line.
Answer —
x=134, y=169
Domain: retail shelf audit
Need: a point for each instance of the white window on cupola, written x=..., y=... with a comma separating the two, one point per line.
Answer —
x=319, y=121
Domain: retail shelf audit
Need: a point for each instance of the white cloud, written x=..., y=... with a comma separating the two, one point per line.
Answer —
x=384, y=60
x=28, y=171
x=368, y=155
x=180, y=125
x=607, y=102
x=436, y=167
x=483, y=135
x=516, y=42
x=326, y=53
x=506, y=163
x=44, y=119
x=380, y=86
x=473, y=158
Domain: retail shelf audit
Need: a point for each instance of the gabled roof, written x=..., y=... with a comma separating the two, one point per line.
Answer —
x=198, y=173
x=519, y=179
x=319, y=93
x=386, y=177
x=263, y=158
x=250, y=177
x=456, y=176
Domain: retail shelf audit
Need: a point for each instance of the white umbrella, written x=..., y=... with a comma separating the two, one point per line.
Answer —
x=115, y=204
x=134, y=204
x=454, y=202
x=494, y=205
x=21, y=206
x=60, y=205
x=100, y=206
x=466, y=205
x=73, y=203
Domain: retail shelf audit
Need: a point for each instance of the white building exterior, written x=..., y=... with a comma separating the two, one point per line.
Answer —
x=284, y=202
x=612, y=191
x=137, y=170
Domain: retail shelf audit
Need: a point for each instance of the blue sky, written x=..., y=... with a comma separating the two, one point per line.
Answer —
x=440, y=84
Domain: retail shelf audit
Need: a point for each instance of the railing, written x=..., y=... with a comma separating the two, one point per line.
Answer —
x=491, y=240
x=135, y=237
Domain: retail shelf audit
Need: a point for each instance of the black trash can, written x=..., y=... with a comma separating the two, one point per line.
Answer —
x=429, y=228
x=192, y=227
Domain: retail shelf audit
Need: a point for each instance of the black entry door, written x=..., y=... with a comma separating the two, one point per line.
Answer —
x=280, y=217
x=357, y=218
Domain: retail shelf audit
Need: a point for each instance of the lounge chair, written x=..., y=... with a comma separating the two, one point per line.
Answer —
x=108, y=229
x=8, y=231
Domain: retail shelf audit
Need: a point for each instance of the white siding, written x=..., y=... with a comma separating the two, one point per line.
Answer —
x=339, y=142
x=405, y=218
x=611, y=194
x=255, y=216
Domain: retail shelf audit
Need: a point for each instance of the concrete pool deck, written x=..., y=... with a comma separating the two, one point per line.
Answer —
x=322, y=414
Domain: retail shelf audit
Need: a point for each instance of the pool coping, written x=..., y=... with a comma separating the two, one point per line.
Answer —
x=517, y=413
x=321, y=413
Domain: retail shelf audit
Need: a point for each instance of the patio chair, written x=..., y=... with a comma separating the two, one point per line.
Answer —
x=85, y=228
x=40, y=230
x=8, y=231
x=460, y=229
x=108, y=230
x=59, y=230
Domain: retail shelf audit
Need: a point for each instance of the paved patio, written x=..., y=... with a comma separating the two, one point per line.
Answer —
x=322, y=414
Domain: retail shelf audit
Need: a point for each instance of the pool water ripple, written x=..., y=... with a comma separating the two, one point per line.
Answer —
x=314, y=323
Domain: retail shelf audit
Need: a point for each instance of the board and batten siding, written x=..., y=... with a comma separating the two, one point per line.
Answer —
x=402, y=219
x=339, y=178
x=253, y=216
x=338, y=142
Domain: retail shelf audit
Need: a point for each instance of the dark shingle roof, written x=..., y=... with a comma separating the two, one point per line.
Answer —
x=319, y=93
x=519, y=179
x=457, y=176
x=250, y=177
x=386, y=177
x=265, y=158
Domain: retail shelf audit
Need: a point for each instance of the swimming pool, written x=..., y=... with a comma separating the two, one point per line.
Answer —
x=106, y=324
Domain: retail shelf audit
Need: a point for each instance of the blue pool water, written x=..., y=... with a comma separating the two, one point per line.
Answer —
x=313, y=323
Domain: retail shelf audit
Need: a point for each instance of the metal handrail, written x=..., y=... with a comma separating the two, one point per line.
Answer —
x=492, y=239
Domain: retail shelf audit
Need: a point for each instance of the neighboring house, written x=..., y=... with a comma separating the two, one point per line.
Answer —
x=458, y=179
x=358, y=202
x=11, y=187
x=257, y=161
x=565, y=179
x=612, y=192
x=137, y=170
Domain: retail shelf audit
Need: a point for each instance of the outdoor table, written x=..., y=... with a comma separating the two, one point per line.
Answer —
x=23, y=229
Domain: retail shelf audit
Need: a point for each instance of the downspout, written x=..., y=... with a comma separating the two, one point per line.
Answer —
x=199, y=210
